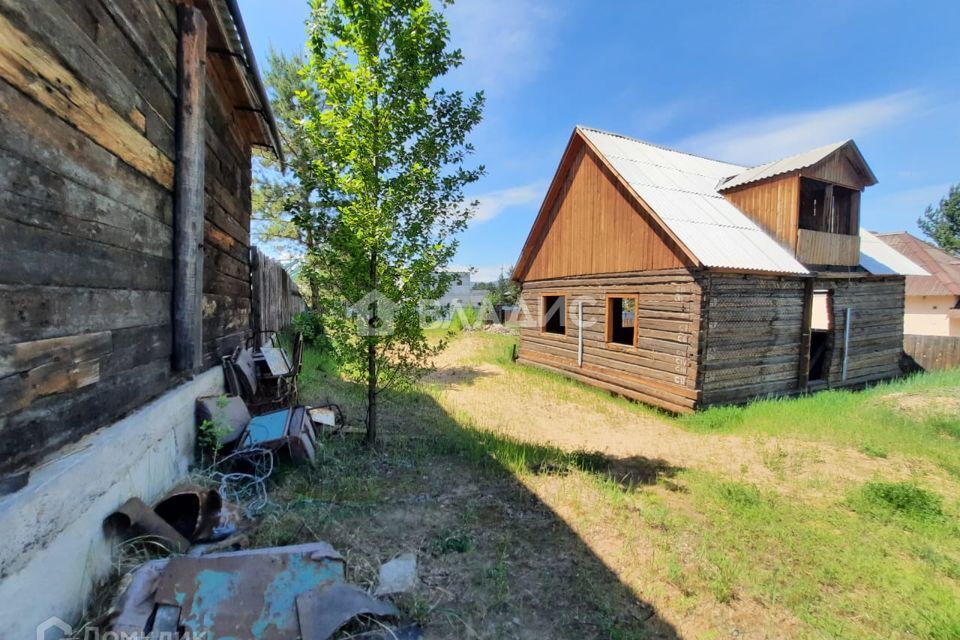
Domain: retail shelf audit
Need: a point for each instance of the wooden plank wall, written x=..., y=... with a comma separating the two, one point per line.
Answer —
x=933, y=353
x=876, y=329
x=87, y=112
x=660, y=370
x=821, y=248
x=595, y=226
x=774, y=205
x=750, y=334
x=276, y=299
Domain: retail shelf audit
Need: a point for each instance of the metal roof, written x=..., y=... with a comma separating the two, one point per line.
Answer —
x=791, y=163
x=942, y=275
x=879, y=258
x=681, y=189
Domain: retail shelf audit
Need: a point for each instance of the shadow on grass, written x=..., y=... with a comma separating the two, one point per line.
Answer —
x=518, y=568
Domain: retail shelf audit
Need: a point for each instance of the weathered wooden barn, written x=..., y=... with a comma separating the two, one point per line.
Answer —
x=92, y=167
x=684, y=282
x=126, y=131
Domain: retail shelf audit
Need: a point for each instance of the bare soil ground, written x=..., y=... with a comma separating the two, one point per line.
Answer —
x=539, y=508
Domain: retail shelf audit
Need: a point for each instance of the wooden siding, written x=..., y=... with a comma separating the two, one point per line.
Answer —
x=751, y=330
x=876, y=328
x=660, y=370
x=595, y=226
x=772, y=204
x=932, y=353
x=837, y=169
x=752, y=334
x=87, y=111
x=821, y=248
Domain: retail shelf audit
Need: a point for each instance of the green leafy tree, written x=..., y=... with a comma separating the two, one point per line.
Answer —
x=396, y=150
x=942, y=224
x=289, y=205
x=505, y=290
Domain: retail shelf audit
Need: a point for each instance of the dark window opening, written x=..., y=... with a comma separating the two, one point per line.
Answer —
x=828, y=207
x=621, y=320
x=821, y=329
x=553, y=314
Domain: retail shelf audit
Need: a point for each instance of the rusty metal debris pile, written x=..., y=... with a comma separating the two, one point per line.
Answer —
x=278, y=593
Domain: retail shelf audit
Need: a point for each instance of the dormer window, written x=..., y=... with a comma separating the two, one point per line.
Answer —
x=829, y=208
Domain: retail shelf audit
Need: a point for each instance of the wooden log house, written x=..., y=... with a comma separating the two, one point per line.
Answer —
x=684, y=282
x=126, y=131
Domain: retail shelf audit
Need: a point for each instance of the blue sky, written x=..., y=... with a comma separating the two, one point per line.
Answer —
x=745, y=82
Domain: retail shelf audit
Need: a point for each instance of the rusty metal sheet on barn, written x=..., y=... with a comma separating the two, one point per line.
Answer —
x=247, y=594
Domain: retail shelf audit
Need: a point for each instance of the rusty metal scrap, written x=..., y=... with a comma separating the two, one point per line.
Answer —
x=322, y=611
x=135, y=518
x=247, y=594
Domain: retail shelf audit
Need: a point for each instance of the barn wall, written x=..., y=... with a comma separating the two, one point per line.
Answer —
x=660, y=370
x=87, y=112
x=876, y=328
x=750, y=333
x=595, y=226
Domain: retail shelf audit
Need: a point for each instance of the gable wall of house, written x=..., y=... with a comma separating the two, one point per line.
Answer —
x=87, y=117
x=595, y=226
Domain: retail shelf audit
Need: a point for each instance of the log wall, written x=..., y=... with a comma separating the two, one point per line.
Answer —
x=752, y=334
x=876, y=328
x=661, y=369
x=87, y=117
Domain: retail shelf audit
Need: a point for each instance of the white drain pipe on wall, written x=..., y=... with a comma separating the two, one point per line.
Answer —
x=580, y=333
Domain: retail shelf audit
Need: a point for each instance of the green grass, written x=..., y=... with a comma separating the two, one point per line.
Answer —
x=866, y=419
x=880, y=558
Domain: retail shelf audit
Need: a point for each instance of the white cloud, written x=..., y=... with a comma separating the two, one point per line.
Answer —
x=504, y=42
x=760, y=140
x=494, y=203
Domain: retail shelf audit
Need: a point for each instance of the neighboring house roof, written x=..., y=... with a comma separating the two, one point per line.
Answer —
x=681, y=191
x=879, y=258
x=796, y=162
x=943, y=278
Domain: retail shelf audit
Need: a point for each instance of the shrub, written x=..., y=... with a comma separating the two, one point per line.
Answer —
x=310, y=324
x=902, y=498
x=464, y=318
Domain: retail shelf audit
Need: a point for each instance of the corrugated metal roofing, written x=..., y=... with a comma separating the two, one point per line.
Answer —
x=942, y=269
x=784, y=165
x=682, y=190
x=879, y=258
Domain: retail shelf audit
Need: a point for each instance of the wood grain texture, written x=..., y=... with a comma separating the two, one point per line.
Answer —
x=774, y=205
x=660, y=369
x=821, y=248
x=35, y=72
x=590, y=224
x=189, y=193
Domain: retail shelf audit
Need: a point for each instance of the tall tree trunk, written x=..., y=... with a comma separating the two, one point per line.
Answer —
x=372, y=360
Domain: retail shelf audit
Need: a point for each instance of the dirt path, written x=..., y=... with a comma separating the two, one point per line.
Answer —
x=544, y=410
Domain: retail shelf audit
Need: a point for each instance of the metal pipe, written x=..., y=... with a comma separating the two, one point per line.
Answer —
x=846, y=341
x=580, y=333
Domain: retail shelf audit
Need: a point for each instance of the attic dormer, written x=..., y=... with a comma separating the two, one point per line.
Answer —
x=809, y=202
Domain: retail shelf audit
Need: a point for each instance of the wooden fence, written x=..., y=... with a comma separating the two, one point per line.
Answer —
x=276, y=298
x=933, y=353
